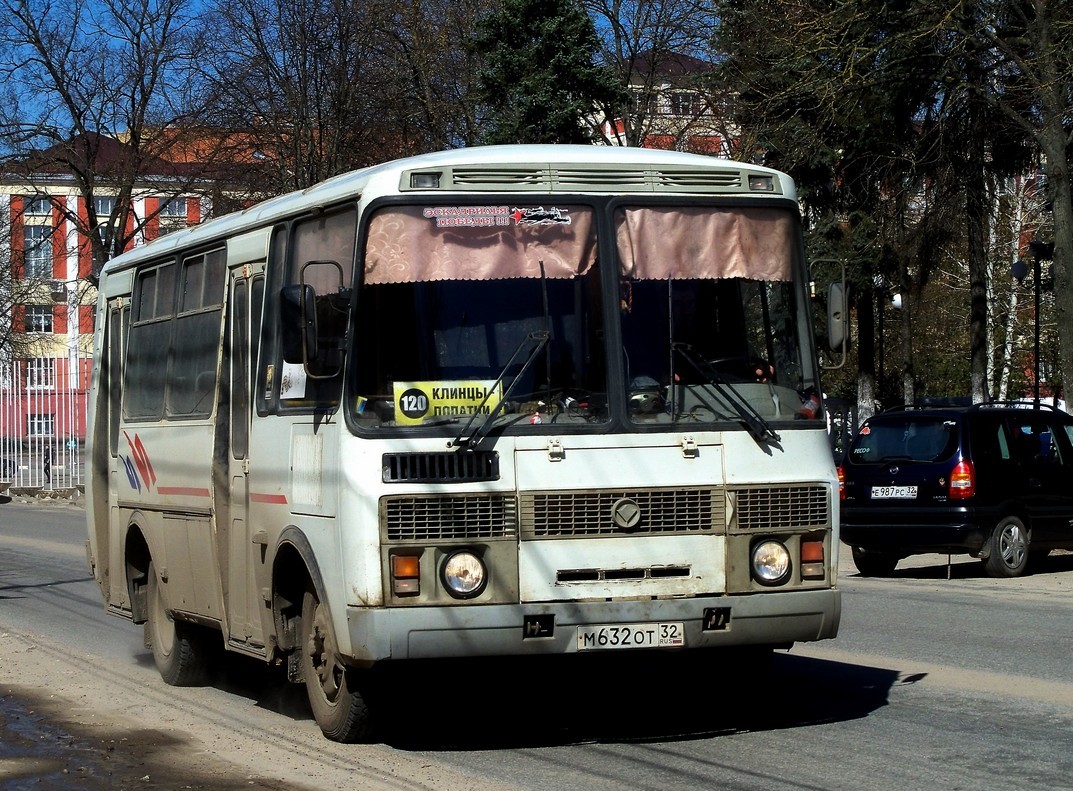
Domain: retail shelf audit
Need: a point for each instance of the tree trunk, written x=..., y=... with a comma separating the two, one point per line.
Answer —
x=976, y=215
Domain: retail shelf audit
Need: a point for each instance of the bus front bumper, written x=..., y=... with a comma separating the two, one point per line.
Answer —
x=773, y=619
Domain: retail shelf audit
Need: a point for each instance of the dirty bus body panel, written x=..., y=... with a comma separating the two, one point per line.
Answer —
x=501, y=401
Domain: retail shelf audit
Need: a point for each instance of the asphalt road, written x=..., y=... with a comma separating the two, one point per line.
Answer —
x=933, y=683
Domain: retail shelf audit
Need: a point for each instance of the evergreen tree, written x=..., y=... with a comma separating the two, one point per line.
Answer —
x=541, y=82
x=875, y=107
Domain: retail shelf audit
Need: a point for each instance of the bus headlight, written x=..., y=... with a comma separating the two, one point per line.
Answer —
x=464, y=575
x=771, y=563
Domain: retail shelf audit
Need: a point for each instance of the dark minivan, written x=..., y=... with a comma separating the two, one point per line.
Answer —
x=991, y=480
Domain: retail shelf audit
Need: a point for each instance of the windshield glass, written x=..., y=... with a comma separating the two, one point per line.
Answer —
x=713, y=325
x=912, y=438
x=482, y=317
x=480, y=310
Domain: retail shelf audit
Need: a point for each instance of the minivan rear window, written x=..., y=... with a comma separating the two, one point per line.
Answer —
x=913, y=438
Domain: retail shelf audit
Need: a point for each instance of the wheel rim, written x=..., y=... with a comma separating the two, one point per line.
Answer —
x=1012, y=545
x=324, y=656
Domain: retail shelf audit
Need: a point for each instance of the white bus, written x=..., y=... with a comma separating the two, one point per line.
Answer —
x=520, y=400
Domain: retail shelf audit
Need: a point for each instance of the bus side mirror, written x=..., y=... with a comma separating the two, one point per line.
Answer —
x=298, y=317
x=832, y=272
x=837, y=314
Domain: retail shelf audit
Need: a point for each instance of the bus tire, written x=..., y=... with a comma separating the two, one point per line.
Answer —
x=338, y=707
x=181, y=650
x=1008, y=549
x=872, y=563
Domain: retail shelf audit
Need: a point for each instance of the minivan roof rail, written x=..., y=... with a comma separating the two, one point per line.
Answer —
x=964, y=403
x=1016, y=404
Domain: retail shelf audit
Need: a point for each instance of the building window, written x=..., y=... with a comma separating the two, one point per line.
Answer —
x=686, y=103
x=39, y=318
x=103, y=207
x=41, y=425
x=644, y=103
x=37, y=248
x=40, y=374
x=38, y=206
x=174, y=208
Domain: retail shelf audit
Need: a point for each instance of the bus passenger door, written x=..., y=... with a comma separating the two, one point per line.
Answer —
x=244, y=606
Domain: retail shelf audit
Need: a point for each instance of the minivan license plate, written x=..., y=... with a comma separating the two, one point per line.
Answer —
x=894, y=492
x=634, y=635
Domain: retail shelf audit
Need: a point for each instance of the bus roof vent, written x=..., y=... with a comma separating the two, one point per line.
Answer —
x=444, y=467
x=506, y=178
x=700, y=180
x=597, y=178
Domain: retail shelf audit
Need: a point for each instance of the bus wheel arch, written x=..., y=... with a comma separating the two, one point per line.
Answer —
x=294, y=570
x=137, y=560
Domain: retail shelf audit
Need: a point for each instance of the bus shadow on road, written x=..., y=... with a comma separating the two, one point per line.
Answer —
x=611, y=698
x=511, y=702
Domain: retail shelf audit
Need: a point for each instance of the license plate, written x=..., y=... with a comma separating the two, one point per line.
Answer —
x=635, y=635
x=894, y=492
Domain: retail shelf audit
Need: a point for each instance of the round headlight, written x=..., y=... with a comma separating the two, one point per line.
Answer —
x=771, y=563
x=464, y=575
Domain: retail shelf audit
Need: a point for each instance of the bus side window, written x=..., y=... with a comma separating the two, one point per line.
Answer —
x=192, y=370
x=116, y=333
x=314, y=310
x=267, y=324
x=150, y=332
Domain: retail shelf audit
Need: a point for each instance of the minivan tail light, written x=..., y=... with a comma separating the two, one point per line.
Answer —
x=962, y=481
x=841, y=483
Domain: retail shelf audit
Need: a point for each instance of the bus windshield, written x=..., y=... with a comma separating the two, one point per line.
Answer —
x=712, y=326
x=498, y=315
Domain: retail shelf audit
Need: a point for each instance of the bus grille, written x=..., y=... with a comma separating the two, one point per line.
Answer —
x=454, y=466
x=781, y=508
x=591, y=513
x=449, y=517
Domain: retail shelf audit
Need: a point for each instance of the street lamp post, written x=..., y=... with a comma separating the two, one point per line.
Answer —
x=1041, y=251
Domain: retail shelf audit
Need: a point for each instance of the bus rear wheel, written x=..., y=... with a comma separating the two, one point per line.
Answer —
x=181, y=650
x=338, y=707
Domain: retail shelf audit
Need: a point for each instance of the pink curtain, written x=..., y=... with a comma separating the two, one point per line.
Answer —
x=409, y=244
x=657, y=243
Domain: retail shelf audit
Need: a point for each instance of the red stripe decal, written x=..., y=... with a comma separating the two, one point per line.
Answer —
x=192, y=491
x=272, y=499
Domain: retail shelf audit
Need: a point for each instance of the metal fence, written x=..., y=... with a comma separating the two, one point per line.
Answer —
x=43, y=406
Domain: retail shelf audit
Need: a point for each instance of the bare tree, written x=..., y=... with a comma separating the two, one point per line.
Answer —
x=304, y=80
x=95, y=91
x=647, y=42
x=433, y=94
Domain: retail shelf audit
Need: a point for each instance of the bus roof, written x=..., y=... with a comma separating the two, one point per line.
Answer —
x=573, y=169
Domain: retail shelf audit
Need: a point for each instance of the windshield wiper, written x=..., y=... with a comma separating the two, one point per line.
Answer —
x=750, y=418
x=540, y=339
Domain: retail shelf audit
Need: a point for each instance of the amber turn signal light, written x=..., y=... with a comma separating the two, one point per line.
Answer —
x=406, y=575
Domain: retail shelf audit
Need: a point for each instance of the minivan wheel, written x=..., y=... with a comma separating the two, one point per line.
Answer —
x=874, y=564
x=1007, y=549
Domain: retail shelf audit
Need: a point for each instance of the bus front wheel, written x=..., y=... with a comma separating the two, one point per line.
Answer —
x=338, y=707
x=181, y=650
